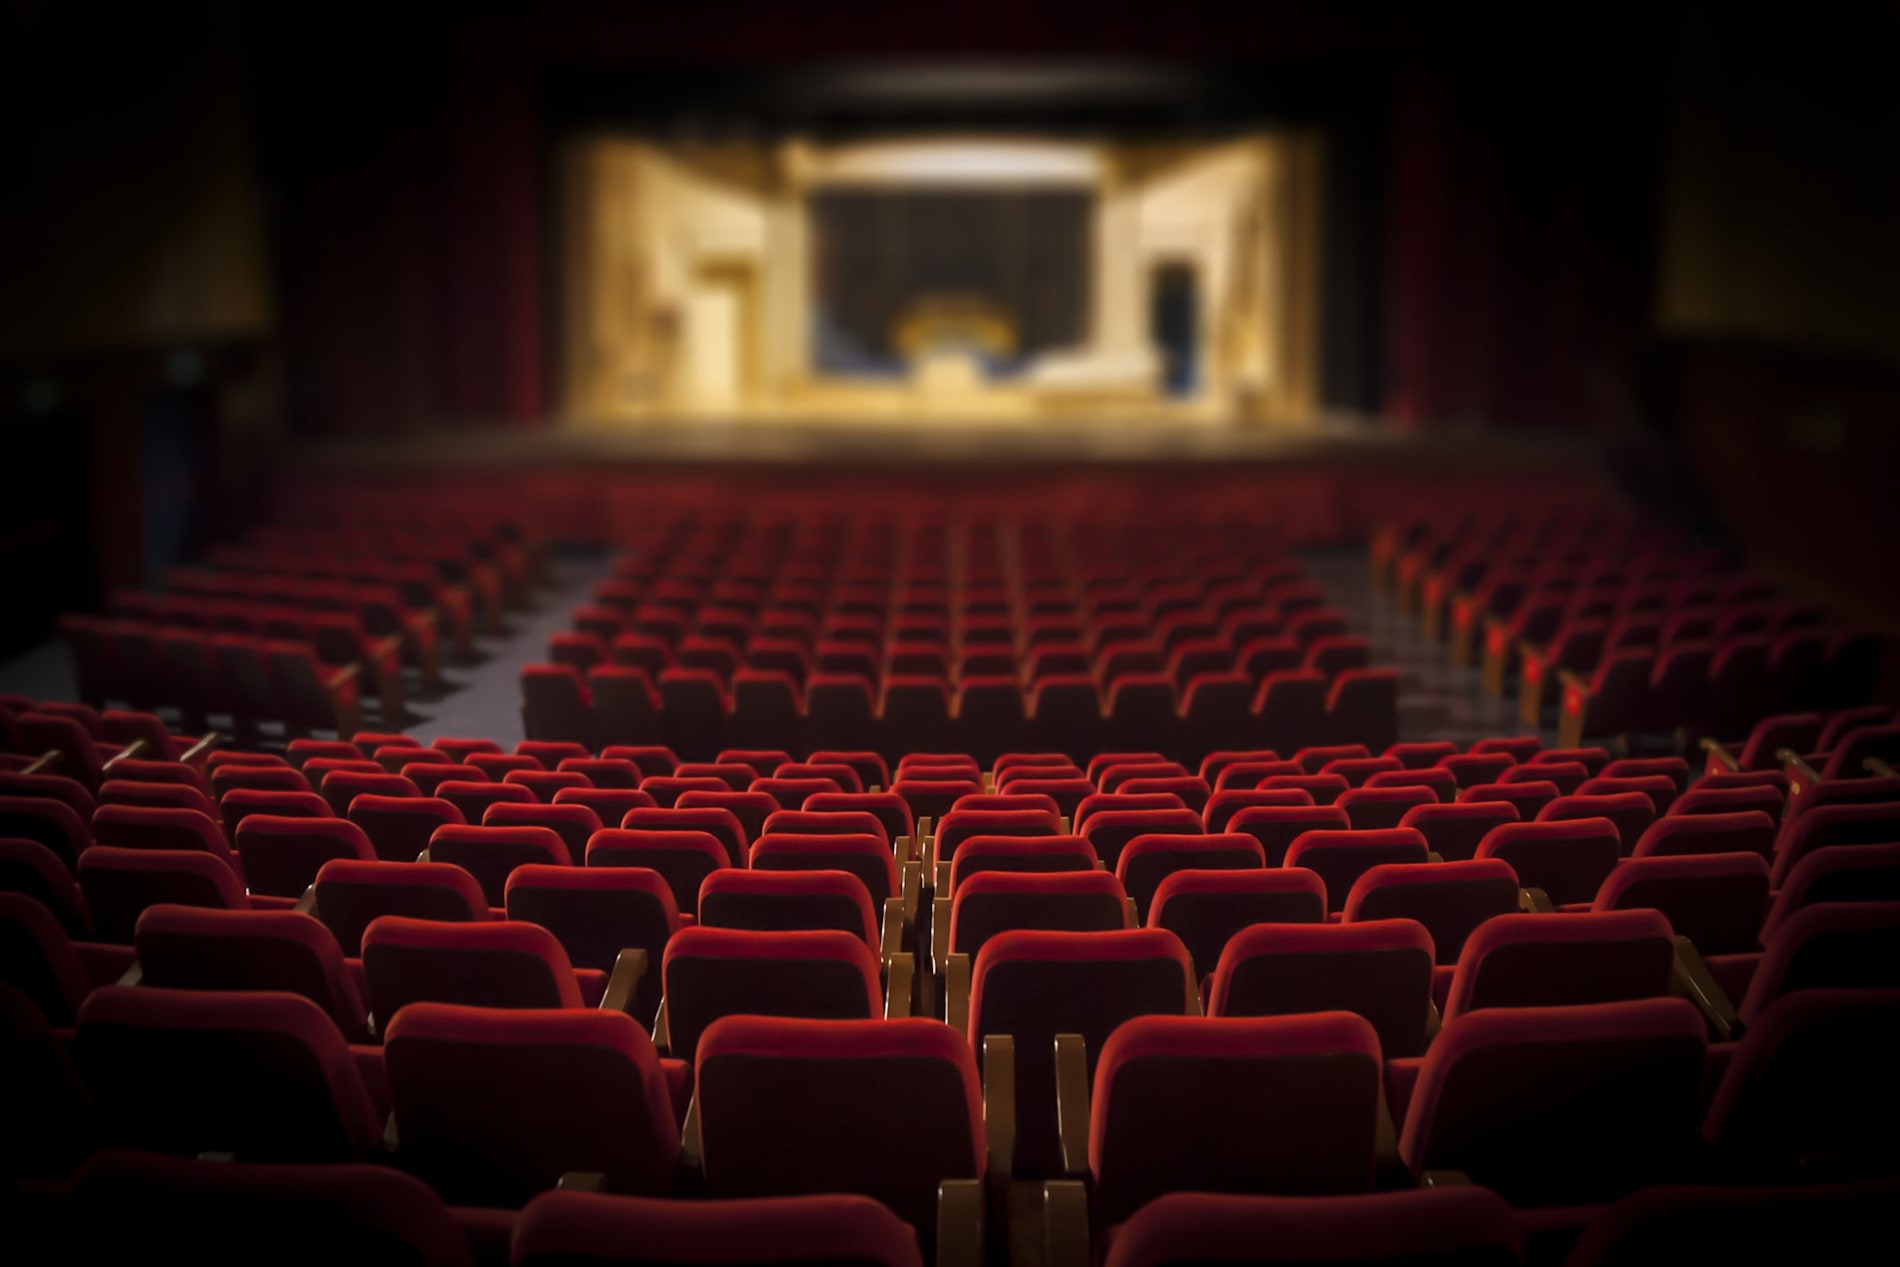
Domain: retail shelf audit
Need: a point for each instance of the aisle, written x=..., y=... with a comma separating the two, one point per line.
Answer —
x=485, y=701
x=1436, y=701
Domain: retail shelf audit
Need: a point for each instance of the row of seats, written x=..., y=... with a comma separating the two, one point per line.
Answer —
x=356, y=587
x=1615, y=629
x=691, y=711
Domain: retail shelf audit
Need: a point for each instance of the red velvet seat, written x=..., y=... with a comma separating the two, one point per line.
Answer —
x=1516, y=961
x=1381, y=970
x=886, y=1109
x=1552, y=1106
x=282, y=854
x=1296, y=1113
x=262, y=1075
x=189, y=948
x=493, y=1105
x=683, y=857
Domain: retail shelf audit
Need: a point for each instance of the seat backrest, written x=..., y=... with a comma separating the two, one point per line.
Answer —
x=1034, y=985
x=1715, y=900
x=1744, y=831
x=1205, y=909
x=768, y=901
x=129, y=1204
x=1568, y=860
x=889, y=808
x=1839, y=873
x=819, y=974
x=1449, y=899
x=1835, y=945
x=1038, y=854
x=160, y=827
x=863, y=855
x=885, y=1109
x=1543, y=961
x=1110, y=830
x=995, y=902
x=1150, y=858
x=262, y=1074
x=399, y=827
x=27, y=867
x=1453, y=832
x=557, y=1227
x=282, y=854
x=490, y=854
x=1468, y=1225
x=493, y=1106
x=38, y=959
x=350, y=894
x=1561, y=1105
x=1810, y=1087
x=192, y=948
x=1296, y=1110
x=684, y=858
x=1876, y=823
x=1341, y=857
x=1381, y=970
x=722, y=824
x=1798, y=1222
x=596, y=912
x=119, y=884
x=493, y=963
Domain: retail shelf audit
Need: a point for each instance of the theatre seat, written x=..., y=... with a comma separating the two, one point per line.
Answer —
x=1034, y=985
x=1548, y=960
x=492, y=963
x=118, y=884
x=263, y=1075
x=1469, y=1226
x=349, y=894
x=492, y=1106
x=188, y=948
x=127, y=1205
x=885, y=1109
x=596, y=913
x=1552, y=1106
x=817, y=974
x=1381, y=970
x=1274, y=1105
x=560, y=1228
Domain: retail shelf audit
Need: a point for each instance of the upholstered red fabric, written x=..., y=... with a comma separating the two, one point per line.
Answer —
x=1545, y=960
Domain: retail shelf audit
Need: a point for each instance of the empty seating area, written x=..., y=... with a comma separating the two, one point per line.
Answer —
x=1109, y=1001
x=732, y=624
x=337, y=601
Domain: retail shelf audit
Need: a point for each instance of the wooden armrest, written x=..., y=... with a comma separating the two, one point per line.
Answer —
x=132, y=975
x=900, y=848
x=1062, y=826
x=1432, y=855
x=1131, y=915
x=1571, y=679
x=1695, y=982
x=1072, y=1102
x=581, y=1181
x=340, y=676
x=956, y=993
x=989, y=782
x=44, y=762
x=630, y=965
x=202, y=749
x=939, y=935
x=891, y=935
x=899, y=971
x=1434, y=1020
x=1800, y=773
x=911, y=875
x=923, y=834
x=423, y=856
x=1878, y=768
x=690, y=1151
x=662, y=1039
x=1444, y=1179
x=137, y=748
x=1535, y=901
x=390, y=1140
x=385, y=646
x=940, y=879
x=959, y=1223
x=1719, y=755
x=999, y=1103
x=1065, y=1223
x=307, y=904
